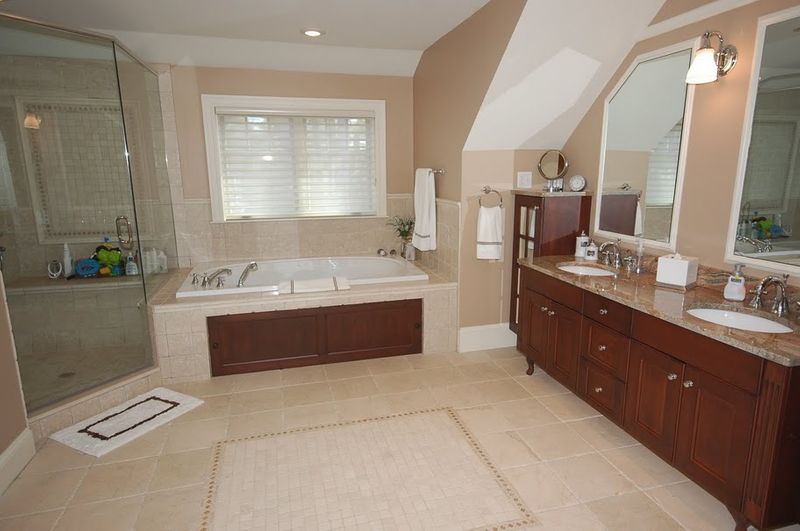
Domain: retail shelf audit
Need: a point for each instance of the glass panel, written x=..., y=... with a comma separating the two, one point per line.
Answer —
x=65, y=181
x=144, y=128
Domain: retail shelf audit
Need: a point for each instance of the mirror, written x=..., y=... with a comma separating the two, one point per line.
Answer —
x=553, y=166
x=767, y=223
x=643, y=150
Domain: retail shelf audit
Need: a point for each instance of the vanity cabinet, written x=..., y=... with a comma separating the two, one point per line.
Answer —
x=727, y=419
x=545, y=223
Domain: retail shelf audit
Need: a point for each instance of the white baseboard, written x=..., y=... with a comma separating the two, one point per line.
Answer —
x=471, y=338
x=15, y=457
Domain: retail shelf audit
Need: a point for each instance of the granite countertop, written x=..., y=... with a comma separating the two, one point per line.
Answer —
x=640, y=293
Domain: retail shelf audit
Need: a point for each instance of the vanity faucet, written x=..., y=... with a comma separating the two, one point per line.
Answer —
x=761, y=246
x=781, y=305
x=252, y=266
x=207, y=279
x=608, y=258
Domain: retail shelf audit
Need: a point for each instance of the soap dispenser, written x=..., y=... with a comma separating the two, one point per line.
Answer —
x=735, y=288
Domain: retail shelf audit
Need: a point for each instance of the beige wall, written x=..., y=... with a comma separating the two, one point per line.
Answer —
x=12, y=408
x=714, y=136
x=673, y=8
x=451, y=80
x=188, y=83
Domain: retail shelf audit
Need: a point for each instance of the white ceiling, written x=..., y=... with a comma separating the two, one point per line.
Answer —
x=389, y=24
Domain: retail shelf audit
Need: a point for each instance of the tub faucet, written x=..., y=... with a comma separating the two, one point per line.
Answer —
x=252, y=266
x=207, y=279
x=781, y=305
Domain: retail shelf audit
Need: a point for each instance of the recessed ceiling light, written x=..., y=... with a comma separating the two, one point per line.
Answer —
x=313, y=33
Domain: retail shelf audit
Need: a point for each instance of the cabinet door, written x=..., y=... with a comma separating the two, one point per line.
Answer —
x=714, y=433
x=653, y=398
x=532, y=340
x=563, y=344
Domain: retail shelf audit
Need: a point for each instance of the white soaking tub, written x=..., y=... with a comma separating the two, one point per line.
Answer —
x=271, y=274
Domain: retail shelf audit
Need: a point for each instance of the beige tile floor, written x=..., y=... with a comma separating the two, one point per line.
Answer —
x=573, y=468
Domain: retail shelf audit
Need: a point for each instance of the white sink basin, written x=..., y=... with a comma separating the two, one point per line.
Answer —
x=740, y=321
x=588, y=271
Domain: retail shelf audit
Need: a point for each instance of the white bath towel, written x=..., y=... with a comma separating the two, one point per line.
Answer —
x=314, y=285
x=490, y=233
x=637, y=224
x=424, y=237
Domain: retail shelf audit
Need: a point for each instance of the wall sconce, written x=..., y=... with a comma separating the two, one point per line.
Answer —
x=708, y=64
x=32, y=121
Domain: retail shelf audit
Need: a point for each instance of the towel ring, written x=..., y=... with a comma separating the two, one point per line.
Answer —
x=489, y=190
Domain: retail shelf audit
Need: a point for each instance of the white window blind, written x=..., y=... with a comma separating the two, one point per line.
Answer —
x=294, y=158
x=662, y=169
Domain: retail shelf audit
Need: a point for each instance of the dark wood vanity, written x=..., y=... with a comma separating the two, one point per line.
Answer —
x=728, y=419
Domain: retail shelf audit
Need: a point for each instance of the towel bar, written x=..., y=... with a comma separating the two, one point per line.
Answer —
x=489, y=190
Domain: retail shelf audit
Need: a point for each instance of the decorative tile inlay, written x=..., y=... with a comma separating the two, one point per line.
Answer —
x=422, y=469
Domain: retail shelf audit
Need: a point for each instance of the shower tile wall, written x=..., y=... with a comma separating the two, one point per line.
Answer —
x=70, y=80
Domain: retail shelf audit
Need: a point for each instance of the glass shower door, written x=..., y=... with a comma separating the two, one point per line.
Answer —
x=64, y=179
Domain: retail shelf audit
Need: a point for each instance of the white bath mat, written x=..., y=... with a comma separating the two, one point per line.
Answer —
x=119, y=425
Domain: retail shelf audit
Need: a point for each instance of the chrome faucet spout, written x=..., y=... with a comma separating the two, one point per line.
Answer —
x=252, y=266
x=222, y=271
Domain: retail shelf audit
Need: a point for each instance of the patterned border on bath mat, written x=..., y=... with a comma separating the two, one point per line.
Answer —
x=526, y=519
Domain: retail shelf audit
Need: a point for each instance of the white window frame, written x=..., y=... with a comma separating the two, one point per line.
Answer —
x=212, y=103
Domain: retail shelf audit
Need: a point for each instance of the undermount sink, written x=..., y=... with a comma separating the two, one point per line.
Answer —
x=740, y=321
x=588, y=271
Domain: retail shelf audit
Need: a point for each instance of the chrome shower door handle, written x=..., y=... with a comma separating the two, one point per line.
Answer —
x=122, y=222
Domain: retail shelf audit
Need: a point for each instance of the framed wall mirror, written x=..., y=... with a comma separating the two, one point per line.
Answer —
x=765, y=221
x=645, y=127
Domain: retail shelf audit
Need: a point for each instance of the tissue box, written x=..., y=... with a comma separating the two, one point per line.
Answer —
x=676, y=270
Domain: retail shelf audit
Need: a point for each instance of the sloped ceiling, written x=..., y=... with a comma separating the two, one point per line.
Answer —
x=559, y=58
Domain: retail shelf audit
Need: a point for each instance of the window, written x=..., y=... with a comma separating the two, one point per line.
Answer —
x=278, y=158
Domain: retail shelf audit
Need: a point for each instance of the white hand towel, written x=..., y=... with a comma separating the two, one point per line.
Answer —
x=490, y=233
x=424, y=237
x=314, y=285
x=637, y=224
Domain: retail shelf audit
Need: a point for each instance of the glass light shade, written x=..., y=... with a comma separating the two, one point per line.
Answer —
x=703, y=68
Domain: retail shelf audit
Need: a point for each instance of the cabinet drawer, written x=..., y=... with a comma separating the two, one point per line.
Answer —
x=606, y=348
x=608, y=313
x=725, y=362
x=603, y=391
x=561, y=292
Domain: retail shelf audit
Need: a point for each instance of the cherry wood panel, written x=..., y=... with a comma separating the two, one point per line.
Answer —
x=293, y=338
x=552, y=288
x=607, y=312
x=606, y=348
x=602, y=390
x=714, y=433
x=727, y=363
x=653, y=398
x=619, y=213
x=563, y=344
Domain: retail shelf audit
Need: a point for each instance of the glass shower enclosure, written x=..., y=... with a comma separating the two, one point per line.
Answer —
x=82, y=165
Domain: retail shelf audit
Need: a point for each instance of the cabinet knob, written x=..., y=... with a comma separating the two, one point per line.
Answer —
x=598, y=389
x=543, y=308
x=602, y=348
x=551, y=313
x=688, y=383
x=603, y=311
x=672, y=377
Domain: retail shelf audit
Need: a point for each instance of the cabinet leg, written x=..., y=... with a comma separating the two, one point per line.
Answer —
x=530, y=367
x=741, y=522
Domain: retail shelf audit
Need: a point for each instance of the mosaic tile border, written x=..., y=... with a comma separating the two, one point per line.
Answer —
x=527, y=518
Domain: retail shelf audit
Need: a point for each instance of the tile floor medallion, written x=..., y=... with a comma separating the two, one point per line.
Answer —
x=416, y=470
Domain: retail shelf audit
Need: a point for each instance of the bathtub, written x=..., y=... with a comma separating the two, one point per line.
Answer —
x=271, y=273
